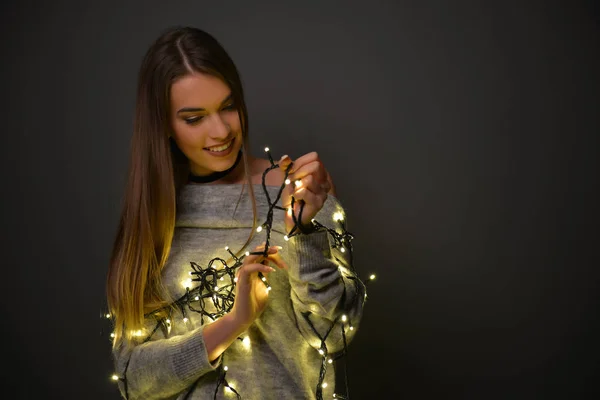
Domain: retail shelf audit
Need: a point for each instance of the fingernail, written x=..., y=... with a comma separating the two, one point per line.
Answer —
x=282, y=157
x=279, y=247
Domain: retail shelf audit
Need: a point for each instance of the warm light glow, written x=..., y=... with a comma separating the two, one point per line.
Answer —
x=298, y=183
x=185, y=319
x=372, y=277
x=197, y=298
x=246, y=342
x=187, y=283
x=259, y=229
x=247, y=253
x=115, y=378
x=268, y=288
x=343, y=250
x=168, y=321
x=266, y=149
x=216, y=288
x=330, y=361
x=289, y=211
x=235, y=279
x=351, y=328
x=222, y=278
x=263, y=279
x=226, y=248
x=324, y=384
x=286, y=237
x=338, y=216
x=287, y=181
x=321, y=352
x=344, y=318
x=226, y=368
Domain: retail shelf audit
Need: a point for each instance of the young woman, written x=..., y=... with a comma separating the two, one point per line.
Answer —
x=192, y=319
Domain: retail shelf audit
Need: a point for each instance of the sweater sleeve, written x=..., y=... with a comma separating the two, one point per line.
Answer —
x=164, y=367
x=324, y=287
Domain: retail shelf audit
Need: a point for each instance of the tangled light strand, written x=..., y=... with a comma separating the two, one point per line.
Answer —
x=223, y=296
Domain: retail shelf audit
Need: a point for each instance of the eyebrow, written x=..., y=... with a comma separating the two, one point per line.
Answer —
x=193, y=109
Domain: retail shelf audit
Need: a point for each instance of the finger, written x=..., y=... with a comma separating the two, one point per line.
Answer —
x=278, y=261
x=311, y=168
x=305, y=159
x=284, y=162
x=309, y=182
x=244, y=273
x=314, y=199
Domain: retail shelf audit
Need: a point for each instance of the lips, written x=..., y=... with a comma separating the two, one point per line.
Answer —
x=220, y=148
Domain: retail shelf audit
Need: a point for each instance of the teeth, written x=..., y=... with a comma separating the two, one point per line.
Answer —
x=220, y=148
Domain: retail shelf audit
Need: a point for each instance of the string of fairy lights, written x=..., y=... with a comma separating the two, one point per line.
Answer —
x=214, y=293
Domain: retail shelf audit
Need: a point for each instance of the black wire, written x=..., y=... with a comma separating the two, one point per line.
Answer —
x=224, y=297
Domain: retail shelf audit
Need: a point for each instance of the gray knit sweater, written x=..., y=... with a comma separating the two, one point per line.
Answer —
x=279, y=357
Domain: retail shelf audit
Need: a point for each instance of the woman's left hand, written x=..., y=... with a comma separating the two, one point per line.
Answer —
x=310, y=182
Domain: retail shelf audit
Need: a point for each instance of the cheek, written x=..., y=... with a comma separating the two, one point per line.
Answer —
x=189, y=137
x=233, y=120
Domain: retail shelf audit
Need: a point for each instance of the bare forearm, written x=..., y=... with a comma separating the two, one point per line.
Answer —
x=219, y=335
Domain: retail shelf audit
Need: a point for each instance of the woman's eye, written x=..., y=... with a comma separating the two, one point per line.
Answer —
x=193, y=120
x=229, y=107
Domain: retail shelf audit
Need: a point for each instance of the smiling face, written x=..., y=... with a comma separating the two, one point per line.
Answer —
x=206, y=124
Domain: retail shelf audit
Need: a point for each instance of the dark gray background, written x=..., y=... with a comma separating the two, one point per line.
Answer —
x=462, y=136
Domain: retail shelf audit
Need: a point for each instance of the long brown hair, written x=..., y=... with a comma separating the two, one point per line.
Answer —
x=157, y=171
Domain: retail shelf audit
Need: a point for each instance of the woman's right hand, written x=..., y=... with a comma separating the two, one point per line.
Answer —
x=251, y=294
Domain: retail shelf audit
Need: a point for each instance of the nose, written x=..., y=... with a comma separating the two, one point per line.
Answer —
x=219, y=128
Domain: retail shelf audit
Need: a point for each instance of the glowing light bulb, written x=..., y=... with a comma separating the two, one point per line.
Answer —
x=235, y=279
x=263, y=279
x=259, y=229
x=330, y=361
x=185, y=319
x=298, y=183
x=351, y=328
x=372, y=277
x=190, y=273
x=187, y=283
x=334, y=395
x=287, y=181
x=266, y=149
x=107, y=315
x=312, y=220
x=168, y=321
x=112, y=335
x=226, y=368
x=268, y=288
x=321, y=352
x=216, y=288
x=286, y=238
x=115, y=378
x=344, y=318
x=289, y=211
x=246, y=342
x=247, y=253
x=338, y=216
x=222, y=279
x=343, y=250
x=226, y=248
x=324, y=384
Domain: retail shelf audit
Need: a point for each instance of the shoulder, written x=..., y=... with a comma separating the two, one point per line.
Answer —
x=275, y=177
